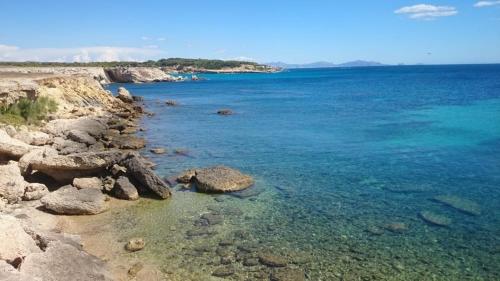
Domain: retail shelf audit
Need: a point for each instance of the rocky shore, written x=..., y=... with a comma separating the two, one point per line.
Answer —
x=72, y=164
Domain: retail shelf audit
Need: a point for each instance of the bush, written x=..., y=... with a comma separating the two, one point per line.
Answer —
x=30, y=111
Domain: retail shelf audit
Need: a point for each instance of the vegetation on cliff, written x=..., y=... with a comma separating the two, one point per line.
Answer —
x=27, y=111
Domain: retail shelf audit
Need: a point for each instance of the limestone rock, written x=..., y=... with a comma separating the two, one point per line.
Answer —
x=138, y=75
x=186, y=176
x=9, y=273
x=12, y=183
x=125, y=95
x=33, y=138
x=158, y=150
x=12, y=148
x=35, y=191
x=135, y=244
x=64, y=168
x=61, y=127
x=137, y=168
x=125, y=190
x=72, y=201
x=81, y=137
x=34, y=155
x=64, y=262
x=91, y=182
x=65, y=146
x=221, y=179
x=15, y=243
x=128, y=142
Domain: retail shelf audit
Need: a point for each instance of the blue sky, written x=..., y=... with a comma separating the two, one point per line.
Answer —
x=396, y=31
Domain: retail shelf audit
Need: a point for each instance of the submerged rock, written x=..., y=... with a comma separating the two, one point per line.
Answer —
x=223, y=271
x=435, y=219
x=397, y=227
x=221, y=179
x=64, y=262
x=461, y=204
x=272, y=260
x=288, y=274
x=135, y=244
x=69, y=200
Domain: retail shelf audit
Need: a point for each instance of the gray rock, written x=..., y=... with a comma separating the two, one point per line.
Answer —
x=223, y=272
x=81, y=137
x=221, y=179
x=34, y=155
x=137, y=168
x=158, y=150
x=11, y=148
x=128, y=142
x=15, y=243
x=118, y=170
x=108, y=183
x=33, y=138
x=124, y=95
x=186, y=176
x=35, y=191
x=90, y=125
x=61, y=262
x=72, y=201
x=68, y=146
x=125, y=190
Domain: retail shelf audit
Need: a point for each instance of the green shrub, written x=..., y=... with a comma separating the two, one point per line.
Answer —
x=29, y=111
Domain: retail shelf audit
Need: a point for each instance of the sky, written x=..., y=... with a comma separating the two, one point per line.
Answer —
x=293, y=31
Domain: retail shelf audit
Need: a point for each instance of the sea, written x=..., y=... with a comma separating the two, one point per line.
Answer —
x=369, y=173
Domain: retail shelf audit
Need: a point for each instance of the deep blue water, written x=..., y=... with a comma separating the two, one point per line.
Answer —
x=345, y=156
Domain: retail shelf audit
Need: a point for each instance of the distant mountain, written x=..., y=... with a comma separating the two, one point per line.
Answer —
x=324, y=64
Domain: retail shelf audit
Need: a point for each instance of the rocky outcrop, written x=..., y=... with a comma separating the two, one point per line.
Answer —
x=64, y=262
x=138, y=75
x=139, y=170
x=221, y=179
x=69, y=200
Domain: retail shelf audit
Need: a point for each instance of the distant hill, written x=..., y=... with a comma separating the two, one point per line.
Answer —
x=324, y=64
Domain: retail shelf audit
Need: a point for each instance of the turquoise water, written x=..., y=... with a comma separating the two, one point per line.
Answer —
x=345, y=161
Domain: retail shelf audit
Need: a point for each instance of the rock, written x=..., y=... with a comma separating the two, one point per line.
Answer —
x=129, y=130
x=34, y=155
x=272, y=260
x=247, y=193
x=72, y=201
x=64, y=168
x=12, y=183
x=464, y=205
x=397, y=227
x=89, y=125
x=435, y=219
x=375, y=230
x=125, y=190
x=93, y=182
x=124, y=95
x=186, y=176
x=10, y=130
x=138, y=75
x=35, y=191
x=223, y=272
x=135, y=244
x=11, y=148
x=64, y=262
x=15, y=243
x=287, y=274
x=135, y=268
x=171, y=103
x=221, y=179
x=128, y=142
x=33, y=138
x=81, y=137
x=9, y=273
x=158, y=150
x=225, y=112
x=108, y=183
x=211, y=219
x=68, y=146
x=138, y=98
x=118, y=170
x=145, y=176
x=251, y=262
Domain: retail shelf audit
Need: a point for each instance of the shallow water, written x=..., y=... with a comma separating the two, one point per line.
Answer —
x=344, y=161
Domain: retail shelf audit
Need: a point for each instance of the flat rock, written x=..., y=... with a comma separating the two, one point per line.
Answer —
x=223, y=272
x=61, y=262
x=435, y=219
x=461, y=204
x=12, y=183
x=9, y=273
x=221, y=179
x=124, y=189
x=69, y=200
x=225, y=112
x=33, y=138
x=397, y=227
x=15, y=243
x=61, y=127
x=128, y=142
x=81, y=137
x=35, y=155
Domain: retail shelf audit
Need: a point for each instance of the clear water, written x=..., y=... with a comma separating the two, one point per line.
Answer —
x=339, y=156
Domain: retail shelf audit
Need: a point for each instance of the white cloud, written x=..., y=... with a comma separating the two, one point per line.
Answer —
x=426, y=11
x=482, y=4
x=243, y=58
x=79, y=54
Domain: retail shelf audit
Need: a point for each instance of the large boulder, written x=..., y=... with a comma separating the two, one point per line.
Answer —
x=124, y=189
x=138, y=169
x=15, y=243
x=12, y=183
x=124, y=95
x=69, y=200
x=33, y=138
x=64, y=168
x=34, y=155
x=11, y=148
x=221, y=179
x=64, y=262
